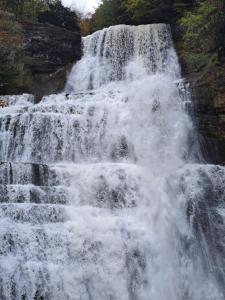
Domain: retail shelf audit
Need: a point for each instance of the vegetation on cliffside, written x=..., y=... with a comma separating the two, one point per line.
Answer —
x=202, y=35
x=24, y=9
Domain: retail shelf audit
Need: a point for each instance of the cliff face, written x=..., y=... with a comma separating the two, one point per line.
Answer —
x=208, y=90
x=35, y=57
x=50, y=52
x=209, y=108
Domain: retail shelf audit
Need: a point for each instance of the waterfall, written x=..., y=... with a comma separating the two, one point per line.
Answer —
x=102, y=197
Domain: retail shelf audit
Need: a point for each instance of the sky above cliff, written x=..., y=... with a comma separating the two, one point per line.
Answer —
x=84, y=6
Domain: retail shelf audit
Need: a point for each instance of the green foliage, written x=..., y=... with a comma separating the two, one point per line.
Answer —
x=110, y=12
x=198, y=24
x=46, y=11
x=145, y=12
x=59, y=15
x=33, y=8
x=201, y=28
x=24, y=9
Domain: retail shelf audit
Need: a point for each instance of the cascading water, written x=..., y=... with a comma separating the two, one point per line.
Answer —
x=100, y=195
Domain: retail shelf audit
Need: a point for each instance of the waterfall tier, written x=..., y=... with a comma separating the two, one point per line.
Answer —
x=124, y=53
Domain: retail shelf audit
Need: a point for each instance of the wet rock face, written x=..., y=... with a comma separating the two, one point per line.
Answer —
x=209, y=107
x=206, y=213
x=50, y=52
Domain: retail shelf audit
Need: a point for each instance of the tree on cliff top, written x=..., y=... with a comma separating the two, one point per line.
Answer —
x=24, y=9
x=59, y=15
x=46, y=11
x=112, y=12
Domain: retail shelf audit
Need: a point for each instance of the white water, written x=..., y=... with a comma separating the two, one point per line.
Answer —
x=100, y=196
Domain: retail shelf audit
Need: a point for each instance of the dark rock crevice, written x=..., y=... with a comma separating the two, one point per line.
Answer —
x=208, y=92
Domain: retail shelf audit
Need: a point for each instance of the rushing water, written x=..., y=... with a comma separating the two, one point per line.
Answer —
x=102, y=197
